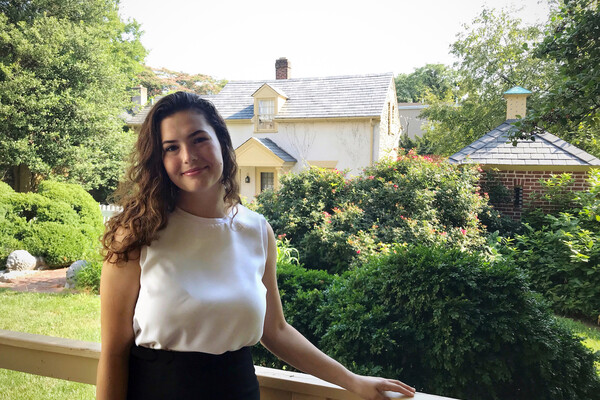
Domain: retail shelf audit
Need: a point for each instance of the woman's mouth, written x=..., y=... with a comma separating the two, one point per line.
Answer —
x=193, y=171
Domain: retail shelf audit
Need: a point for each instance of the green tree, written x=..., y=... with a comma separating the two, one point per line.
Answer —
x=162, y=80
x=570, y=107
x=65, y=66
x=494, y=54
x=432, y=79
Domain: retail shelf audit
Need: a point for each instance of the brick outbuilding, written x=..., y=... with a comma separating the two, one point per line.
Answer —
x=520, y=168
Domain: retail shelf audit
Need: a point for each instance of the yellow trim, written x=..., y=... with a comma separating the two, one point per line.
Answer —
x=291, y=120
x=328, y=119
x=323, y=164
x=252, y=153
x=266, y=91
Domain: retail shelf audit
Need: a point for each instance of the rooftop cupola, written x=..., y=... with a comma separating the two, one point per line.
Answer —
x=516, y=102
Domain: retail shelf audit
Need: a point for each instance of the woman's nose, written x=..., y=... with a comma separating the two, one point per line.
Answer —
x=189, y=155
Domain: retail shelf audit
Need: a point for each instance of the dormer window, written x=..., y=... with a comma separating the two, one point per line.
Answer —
x=268, y=102
x=266, y=114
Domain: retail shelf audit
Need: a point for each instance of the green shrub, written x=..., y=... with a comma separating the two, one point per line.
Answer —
x=561, y=251
x=421, y=188
x=60, y=245
x=587, y=202
x=563, y=263
x=7, y=242
x=77, y=198
x=88, y=278
x=34, y=208
x=493, y=221
x=556, y=194
x=301, y=292
x=495, y=189
x=339, y=239
x=297, y=205
x=453, y=324
x=335, y=222
x=62, y=223
x=5, y=188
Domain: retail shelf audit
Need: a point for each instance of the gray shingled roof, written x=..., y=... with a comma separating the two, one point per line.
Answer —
x=278, y=151
x=329, y=97
x=138, y=118
x=547, y=149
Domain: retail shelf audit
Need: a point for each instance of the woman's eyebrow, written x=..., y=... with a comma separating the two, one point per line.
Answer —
x=199, y=131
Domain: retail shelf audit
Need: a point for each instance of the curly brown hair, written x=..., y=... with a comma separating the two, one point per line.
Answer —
x=147, y=195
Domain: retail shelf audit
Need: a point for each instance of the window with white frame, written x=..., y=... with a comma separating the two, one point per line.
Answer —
x=266, y=113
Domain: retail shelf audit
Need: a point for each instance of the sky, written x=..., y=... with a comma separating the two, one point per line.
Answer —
x=241, y=39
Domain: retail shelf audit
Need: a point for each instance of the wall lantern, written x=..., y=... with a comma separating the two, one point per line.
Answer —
x=247, y=180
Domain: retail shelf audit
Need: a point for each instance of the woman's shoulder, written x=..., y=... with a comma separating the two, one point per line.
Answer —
x=243, y=216
x=242, y=211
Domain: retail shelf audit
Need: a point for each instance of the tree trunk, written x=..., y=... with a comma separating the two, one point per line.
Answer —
x=23, y=178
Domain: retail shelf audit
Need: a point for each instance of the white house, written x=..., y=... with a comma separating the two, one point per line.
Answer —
x=410, y=119
x=282, y=125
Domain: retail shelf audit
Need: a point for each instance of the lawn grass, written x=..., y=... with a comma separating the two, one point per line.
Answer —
x=74, y=316
x=590, y=335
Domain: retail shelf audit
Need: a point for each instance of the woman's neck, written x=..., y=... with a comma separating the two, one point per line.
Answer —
x=206, y=206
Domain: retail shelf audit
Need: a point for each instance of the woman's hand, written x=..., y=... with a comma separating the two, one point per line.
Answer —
x=371, y=388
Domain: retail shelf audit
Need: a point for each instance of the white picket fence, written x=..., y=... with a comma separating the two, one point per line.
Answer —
x=108, y=210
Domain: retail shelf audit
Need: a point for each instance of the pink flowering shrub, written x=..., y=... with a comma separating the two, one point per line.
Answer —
x=339, y=239
x=334, y=221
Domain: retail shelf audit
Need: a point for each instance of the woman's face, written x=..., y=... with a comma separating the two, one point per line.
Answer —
x=192, y=153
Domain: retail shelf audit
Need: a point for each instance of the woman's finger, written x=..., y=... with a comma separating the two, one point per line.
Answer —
x=397, y=389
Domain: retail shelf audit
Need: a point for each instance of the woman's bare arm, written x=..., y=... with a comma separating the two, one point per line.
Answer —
x=119, y=288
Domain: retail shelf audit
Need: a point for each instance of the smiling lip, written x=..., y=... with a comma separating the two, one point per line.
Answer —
x=192, y=171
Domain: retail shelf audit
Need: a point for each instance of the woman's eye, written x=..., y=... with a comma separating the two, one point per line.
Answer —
x=199, y=139
x=170, y=149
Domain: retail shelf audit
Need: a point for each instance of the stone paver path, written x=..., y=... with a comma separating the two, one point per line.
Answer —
x=37, y=281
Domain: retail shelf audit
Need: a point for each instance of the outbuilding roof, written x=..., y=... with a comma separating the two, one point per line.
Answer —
x=547, y=149
x=328, y=97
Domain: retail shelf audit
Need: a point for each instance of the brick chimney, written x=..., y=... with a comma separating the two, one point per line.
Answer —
x=283, y=68
x=516, y=102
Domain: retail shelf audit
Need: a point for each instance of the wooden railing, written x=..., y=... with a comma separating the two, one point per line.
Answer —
x=76, y=360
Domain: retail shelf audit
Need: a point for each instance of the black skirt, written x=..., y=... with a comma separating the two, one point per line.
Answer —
x=163, y=375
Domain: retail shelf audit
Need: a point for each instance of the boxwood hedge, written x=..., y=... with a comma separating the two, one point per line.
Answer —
x=453, y=324
x=60, y=223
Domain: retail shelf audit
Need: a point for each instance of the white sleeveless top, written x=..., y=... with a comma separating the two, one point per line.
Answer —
x=201, y=284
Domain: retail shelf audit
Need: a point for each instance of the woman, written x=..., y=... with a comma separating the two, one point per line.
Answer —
x=189, y=281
